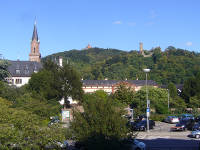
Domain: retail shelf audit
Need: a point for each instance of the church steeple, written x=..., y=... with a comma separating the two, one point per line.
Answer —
x=35, y=35
x=35, y=52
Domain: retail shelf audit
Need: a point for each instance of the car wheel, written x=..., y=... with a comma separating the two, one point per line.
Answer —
x=197, y=136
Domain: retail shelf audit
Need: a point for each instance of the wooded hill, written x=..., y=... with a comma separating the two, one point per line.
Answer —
x=171, y=65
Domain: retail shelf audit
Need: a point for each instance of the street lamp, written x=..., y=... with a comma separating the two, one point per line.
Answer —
x=168, y=98
x=148, y=102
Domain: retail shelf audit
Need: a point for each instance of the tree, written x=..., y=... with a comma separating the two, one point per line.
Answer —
x=157, y=96
x=3, y=69
x=124, y=94
x=101, y=125
x=54, y=82
x=172, y=90
x=71, y=83
x=25, y=130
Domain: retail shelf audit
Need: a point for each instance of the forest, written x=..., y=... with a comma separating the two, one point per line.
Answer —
x=172, y=65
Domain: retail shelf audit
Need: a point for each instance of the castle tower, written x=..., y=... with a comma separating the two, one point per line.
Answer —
x=141, y=48
x=35, y=43
x=88, y=46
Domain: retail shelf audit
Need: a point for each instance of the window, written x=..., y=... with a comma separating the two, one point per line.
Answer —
x=18, y=81
x=17, y=71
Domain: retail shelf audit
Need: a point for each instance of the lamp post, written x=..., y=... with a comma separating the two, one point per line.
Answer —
x=148, y=102
x=168, y=98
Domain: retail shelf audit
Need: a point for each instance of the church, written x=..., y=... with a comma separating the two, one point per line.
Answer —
x=21, y=71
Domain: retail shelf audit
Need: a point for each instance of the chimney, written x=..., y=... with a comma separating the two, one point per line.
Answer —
x=60, y=61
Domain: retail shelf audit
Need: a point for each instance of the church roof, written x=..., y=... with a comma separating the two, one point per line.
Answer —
x=35, y=35
x=23, y=68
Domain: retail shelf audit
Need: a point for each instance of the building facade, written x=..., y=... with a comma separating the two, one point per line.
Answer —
x=110, y=86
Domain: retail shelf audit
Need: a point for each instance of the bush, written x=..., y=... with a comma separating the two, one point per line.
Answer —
x=158, y=117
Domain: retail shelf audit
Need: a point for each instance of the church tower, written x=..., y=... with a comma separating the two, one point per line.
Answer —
x=35, y=43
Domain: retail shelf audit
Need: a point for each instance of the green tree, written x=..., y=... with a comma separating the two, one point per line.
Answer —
x=157, y=96
x=3, y=69
x=71, y=83
x=25, y=129
x=172, y=90
x=194, y=102
x=54, y=82
x=101, y=125
x=124, y=94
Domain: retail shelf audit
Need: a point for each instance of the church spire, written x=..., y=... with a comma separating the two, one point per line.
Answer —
x=35, y=51
x=35, y=35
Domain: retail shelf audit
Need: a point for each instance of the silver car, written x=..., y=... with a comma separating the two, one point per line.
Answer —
x=172, y=119
x=195, y=134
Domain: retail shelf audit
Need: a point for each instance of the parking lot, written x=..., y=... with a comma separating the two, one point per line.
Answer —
x=162, y=130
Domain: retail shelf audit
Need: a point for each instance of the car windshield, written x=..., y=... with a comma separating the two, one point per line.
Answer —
x=173, y=117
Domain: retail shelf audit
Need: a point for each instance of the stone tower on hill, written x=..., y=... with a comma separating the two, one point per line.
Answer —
x=35, y=43
x=141, y=48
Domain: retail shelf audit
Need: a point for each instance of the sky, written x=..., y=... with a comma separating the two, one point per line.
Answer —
x=121, y=24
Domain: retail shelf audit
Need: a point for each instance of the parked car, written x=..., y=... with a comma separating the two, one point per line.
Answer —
x=188, y=116
x=137, y=145
x=141, y=117
x=195, y=134
x=196, y=126
x=171, y=119
x=184, y=124
x=142, y=125
x=197, y=119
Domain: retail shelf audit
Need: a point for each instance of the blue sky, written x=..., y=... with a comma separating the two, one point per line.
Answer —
x=121, y=24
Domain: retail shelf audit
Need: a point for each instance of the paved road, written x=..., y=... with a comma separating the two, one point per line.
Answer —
x=161, y=138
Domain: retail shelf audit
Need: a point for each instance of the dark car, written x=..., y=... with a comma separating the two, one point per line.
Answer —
x=141, y=117
x=184, y=124
x=196, y=126
x=142, y=125
x=197, y=119
x=186, y=116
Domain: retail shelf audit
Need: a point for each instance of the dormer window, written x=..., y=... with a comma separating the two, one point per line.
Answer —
x=26, y=71
x=35, y=69
x=17, y=71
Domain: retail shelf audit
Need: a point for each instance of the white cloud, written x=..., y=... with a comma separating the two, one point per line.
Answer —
x=189, y=43
x=117, y=22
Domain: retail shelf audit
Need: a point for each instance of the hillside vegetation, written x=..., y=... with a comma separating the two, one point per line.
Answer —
x=172, y=65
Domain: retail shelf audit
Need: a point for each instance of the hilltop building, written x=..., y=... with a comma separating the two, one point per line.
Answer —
x=21, y=71
x=88, y=46
x=141, y=48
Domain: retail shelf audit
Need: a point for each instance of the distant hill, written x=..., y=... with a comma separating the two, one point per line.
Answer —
x=172, y=65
